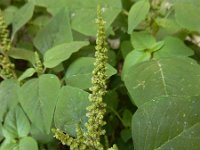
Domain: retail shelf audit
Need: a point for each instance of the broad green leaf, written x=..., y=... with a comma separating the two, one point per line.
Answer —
x=156, y=46
x=22, y=16
x=126, y=48
x=127, y=115
x=9, y=13
x=20, y=53
x=167, y=123
x=41, y=21
x=7, y=145
x=83, y=13
x=137, y=14
x=126, y=134
x=16, y=124
x=27, y=143
x=27, y=73
x=86, y=14
x=1, y=134
x=8, y=96
x=23, y=144
x=187, y=14
x=112, y=58
x=111, y=99
x=172, y=76
x=56, y=32
x=82, y=69
x=142, y=40
x=133, y=58
x=169, y=24
x=173, y=47
x=38, y=98
x=60, y=53
x=40, y=136
x=71, y=109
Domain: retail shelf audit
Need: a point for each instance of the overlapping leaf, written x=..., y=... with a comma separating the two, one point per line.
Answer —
x=56, y=32
x=173, y=76
x=84, y=12
x=167, y=123
x=137, y=14
x=79, y=72
x=59, y=53
x=8, y=96
x=187, y=20
x=38, y=98
x=22, y=16
x=71, y=109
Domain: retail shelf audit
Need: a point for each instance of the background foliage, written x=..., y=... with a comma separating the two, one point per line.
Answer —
x=153, y=69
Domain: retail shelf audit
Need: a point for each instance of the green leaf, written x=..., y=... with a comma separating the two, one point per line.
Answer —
x=187, y=14
x=22, y=16
x=28, y=143
x=1, y=134
x=8, y=96
x=60, y=53
x=173, y=47
x=16, y=124
x=38, y=98
x=7, y=145
x=40, y=136
x=142, y=40
x=137, y=14
x=82, y=69
x=169, y=24
x=126, y=134
x=9, y=13
x=83, y=13
x=172, y=76
x=167, y=123
x=27, y=73
x=56, y=32
x=23, y=144
x=20, y=53
x=126, y=48
x=86, y=14
x=111, y=99
x=41, y=21
x=156, y=46
x=127, y=115
x=71, y=109
x=133, y=58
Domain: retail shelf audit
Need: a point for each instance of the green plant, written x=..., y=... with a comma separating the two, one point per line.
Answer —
x=90, y=139
x=134, y=85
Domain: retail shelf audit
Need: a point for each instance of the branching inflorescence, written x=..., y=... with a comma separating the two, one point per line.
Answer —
x=6, y=67
x=90, y=139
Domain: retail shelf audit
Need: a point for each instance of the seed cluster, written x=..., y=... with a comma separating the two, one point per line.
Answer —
x=90, y=139
x=7, y=68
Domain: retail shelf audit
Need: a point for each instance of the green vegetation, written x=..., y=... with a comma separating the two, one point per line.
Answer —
x=99, y=75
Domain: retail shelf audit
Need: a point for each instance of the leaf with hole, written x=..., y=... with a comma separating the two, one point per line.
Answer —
x=71, y=109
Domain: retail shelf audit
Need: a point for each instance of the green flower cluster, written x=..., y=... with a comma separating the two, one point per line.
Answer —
x=6, y=67
x=97, y=109
x=90, y=140
x=38, y=65
x=77, y=143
